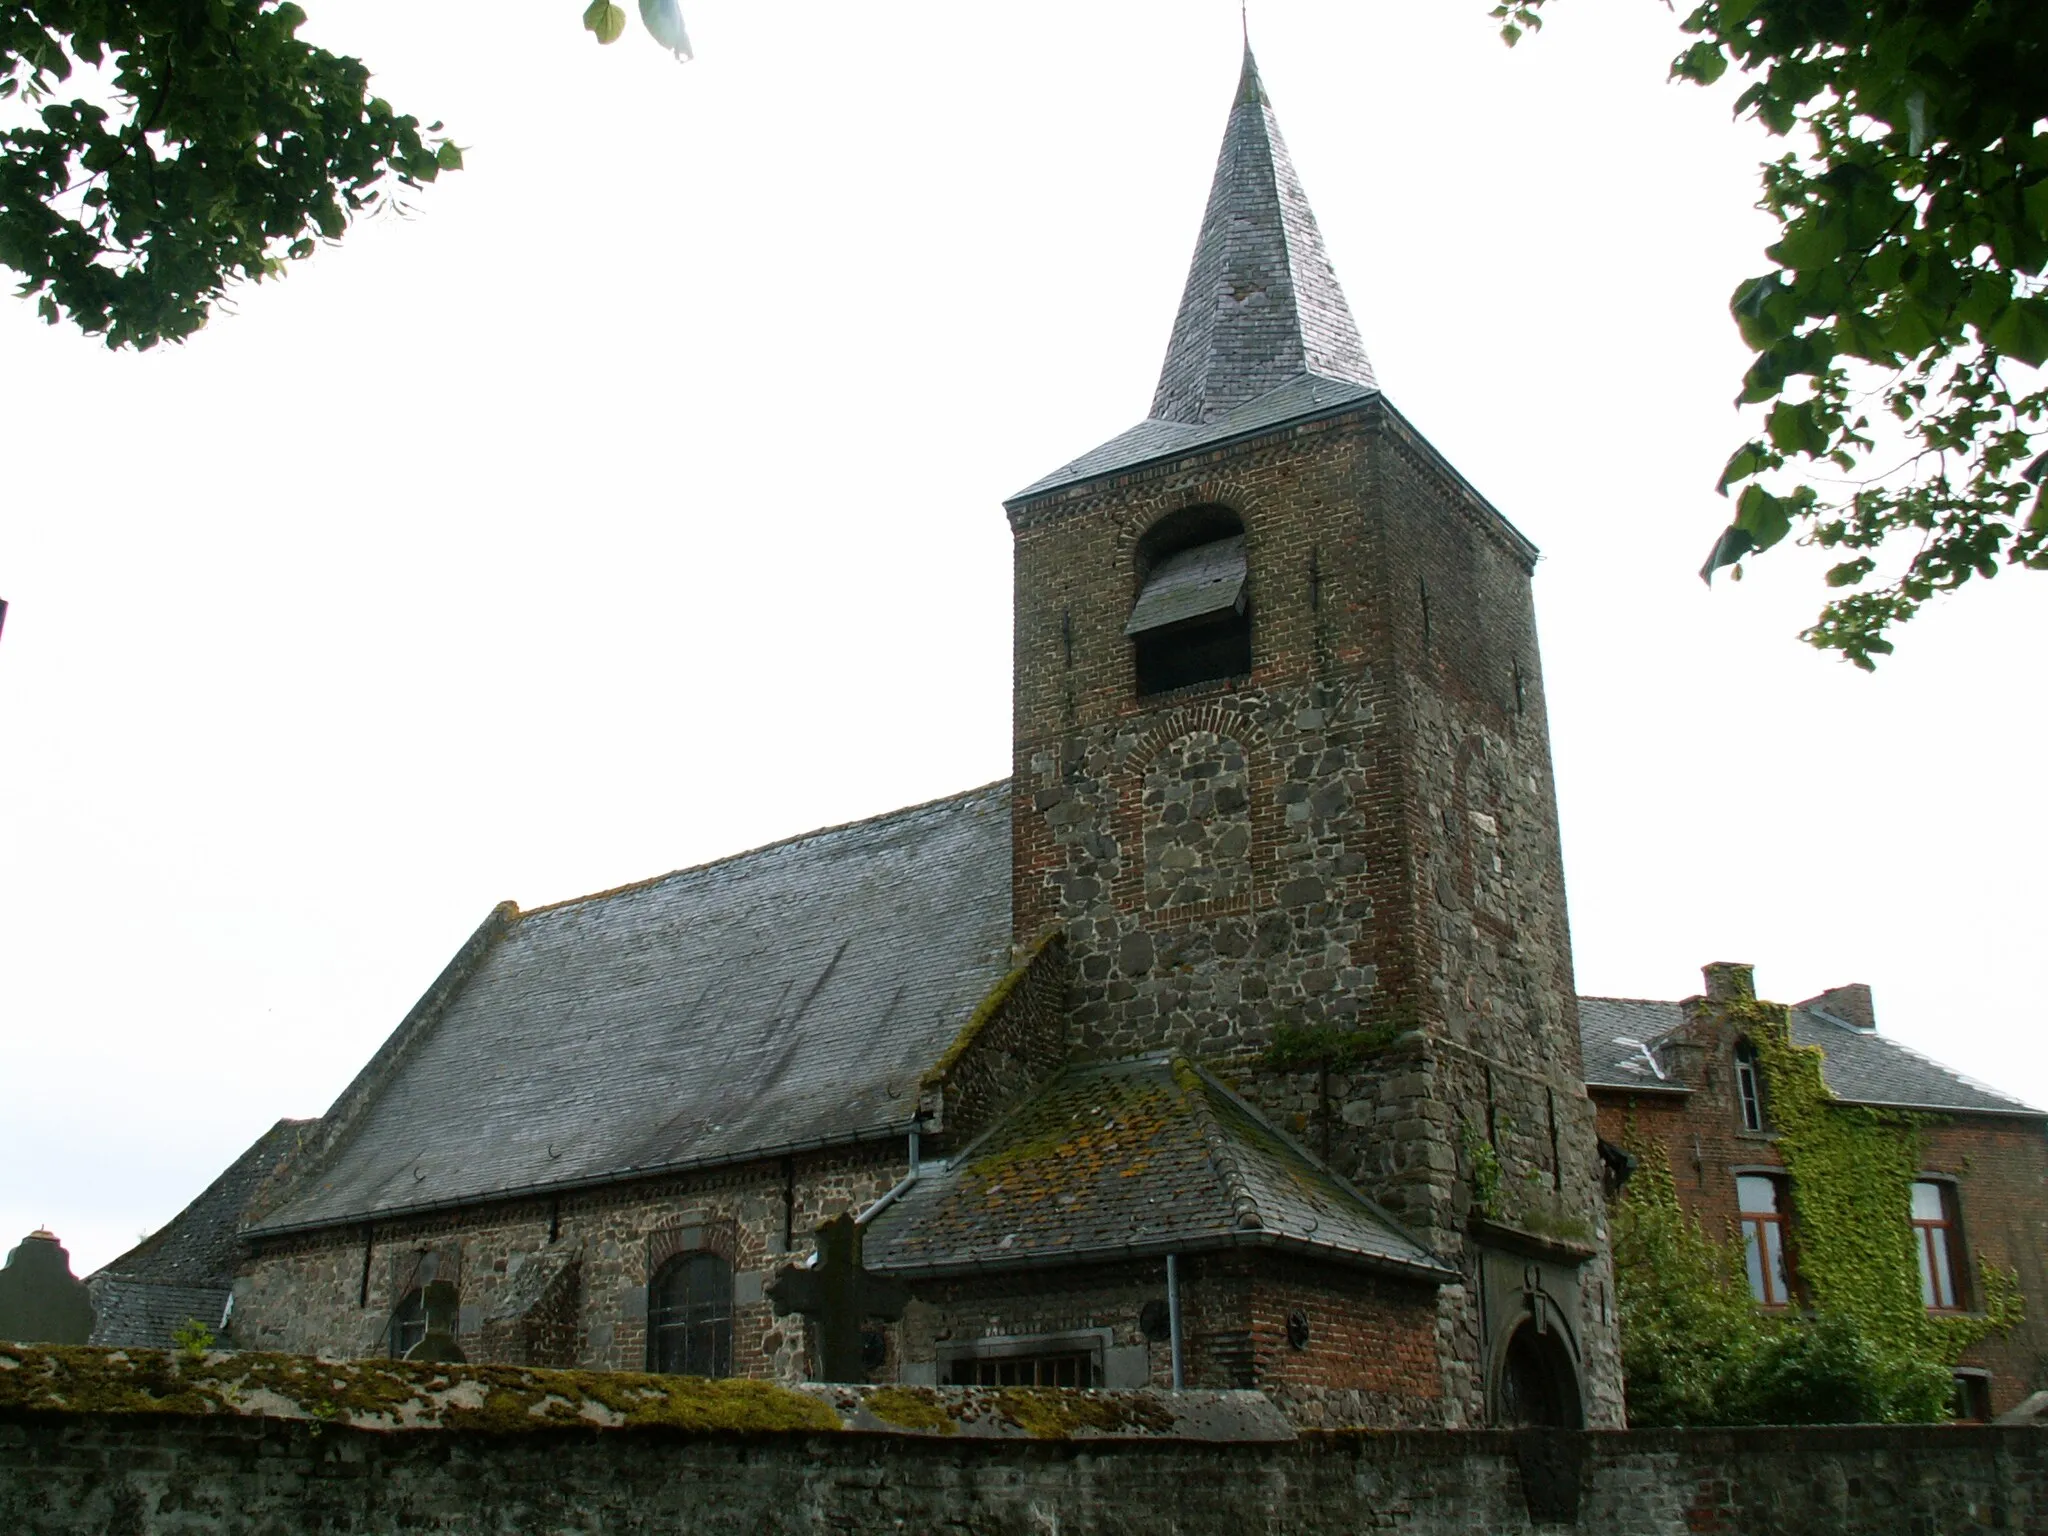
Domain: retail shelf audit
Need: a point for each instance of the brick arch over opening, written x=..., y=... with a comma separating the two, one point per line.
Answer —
x=1247, y=506
x=719, y=1237
x=1136, y=877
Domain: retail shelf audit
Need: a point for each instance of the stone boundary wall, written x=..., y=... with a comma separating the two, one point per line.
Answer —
x=163, y=1474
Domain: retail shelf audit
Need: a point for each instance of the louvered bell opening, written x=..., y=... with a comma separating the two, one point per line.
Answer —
x=1200, y=583
x=1190, y=623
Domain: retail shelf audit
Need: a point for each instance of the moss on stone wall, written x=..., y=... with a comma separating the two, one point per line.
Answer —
x=911, y=1408
x=511, y=1400
x=1052, y=1415
x=391, y=1394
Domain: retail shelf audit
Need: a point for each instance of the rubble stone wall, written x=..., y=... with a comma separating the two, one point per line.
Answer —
x=333, y=1293
x=164, y=1475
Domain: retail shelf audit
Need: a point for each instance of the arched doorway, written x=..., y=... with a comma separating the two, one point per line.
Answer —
x=1538, y=1384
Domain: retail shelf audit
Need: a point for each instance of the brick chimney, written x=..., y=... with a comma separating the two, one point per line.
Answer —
x=1851, y=1004
x=1730, y=981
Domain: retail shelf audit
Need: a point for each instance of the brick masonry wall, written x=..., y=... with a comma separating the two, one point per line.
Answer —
x=305, y=1295
x=1370, y=1357
x=163, y=1475
x=1363, y=832
x=1999, y=1164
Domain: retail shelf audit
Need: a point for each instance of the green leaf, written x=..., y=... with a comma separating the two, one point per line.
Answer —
x=2022, y=331
x=1811, y=241
x=1746, y=461
x=2035, y=200
x=448, y=157
x=1793, y=429
x=605, y=20
x=1703, y=63
x=1750, y=306
x=1764, y=517
x=1730, y=547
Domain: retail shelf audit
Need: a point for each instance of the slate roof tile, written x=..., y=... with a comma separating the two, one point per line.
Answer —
x=1860, y=1066
x=1125, y=1159
x=201, y=1245
x=133, y=1314
x=1263, y=334
x=787, y=997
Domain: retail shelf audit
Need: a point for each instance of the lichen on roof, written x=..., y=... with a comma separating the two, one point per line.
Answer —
x=1127, y=1158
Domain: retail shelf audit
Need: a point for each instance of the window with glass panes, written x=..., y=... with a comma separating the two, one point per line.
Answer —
x=1934, y=1236
x=1760, y=1198
x=689, y=1317
x=408, y=1323
x=1749, y=1086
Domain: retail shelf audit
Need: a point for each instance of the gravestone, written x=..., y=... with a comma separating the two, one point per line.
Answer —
x=41, y=1301
x=837, y=1295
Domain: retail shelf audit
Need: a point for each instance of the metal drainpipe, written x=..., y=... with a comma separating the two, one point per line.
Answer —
x=1173, y=1317
x=889, y=1199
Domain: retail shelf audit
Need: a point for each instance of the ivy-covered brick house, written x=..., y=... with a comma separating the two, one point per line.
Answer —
x=1845, y=1172
x=1174, y=1056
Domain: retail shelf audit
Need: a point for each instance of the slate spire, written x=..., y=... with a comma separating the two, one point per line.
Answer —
x=1262, y=304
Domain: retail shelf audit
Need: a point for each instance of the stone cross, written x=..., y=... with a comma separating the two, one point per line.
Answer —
x=41, y=1301
x=836, y=1294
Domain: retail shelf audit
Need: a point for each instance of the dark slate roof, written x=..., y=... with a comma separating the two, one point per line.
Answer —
x=1859, y=1065
x=1301, y=397
x=201, y=1245
x=1604, y=1019
x=132, y=1314
x=185, y=1268
x=1263, y=334
x=1262, y=304
x=1126, y=1159
x=784, y=998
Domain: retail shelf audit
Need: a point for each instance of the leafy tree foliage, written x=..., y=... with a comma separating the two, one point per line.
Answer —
x=1907, y=286
x=233, y=149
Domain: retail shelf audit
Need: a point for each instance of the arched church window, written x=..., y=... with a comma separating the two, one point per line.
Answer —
x=408, y=1323
x=689, y=1316
x=1191, y=622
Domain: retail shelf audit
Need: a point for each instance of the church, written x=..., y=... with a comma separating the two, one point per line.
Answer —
x=1230, y=1042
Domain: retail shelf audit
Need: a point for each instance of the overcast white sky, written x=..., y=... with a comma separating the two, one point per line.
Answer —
x=638, y=501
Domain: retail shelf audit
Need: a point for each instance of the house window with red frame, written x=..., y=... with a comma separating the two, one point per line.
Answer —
x=1934, y=1239
x=1760, y=1199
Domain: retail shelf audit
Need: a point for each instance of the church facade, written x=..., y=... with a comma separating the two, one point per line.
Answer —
x=1231, y=1041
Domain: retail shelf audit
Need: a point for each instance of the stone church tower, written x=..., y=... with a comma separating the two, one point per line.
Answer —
x=1230, y=1044
x=1282, y=776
